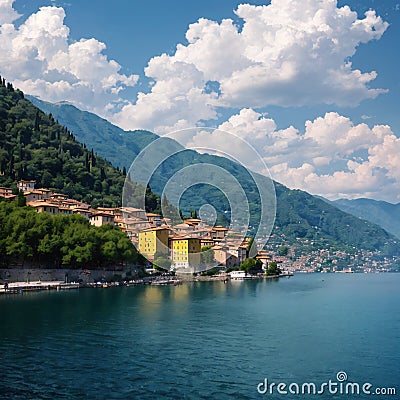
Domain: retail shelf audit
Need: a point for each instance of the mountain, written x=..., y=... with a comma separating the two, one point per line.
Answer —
x=116, y=145
x=382, y=213
x=299, y=214
x=34, y=146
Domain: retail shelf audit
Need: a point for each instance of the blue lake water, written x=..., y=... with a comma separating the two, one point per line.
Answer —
x=202, y=340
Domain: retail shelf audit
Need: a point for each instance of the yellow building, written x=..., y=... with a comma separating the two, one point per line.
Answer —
x=185, y=251
x=152, y=241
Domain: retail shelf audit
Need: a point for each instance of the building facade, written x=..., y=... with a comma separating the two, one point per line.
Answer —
x=185, y=251
x=153, y=241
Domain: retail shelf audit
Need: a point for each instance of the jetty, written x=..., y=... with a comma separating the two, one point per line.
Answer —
x=22, y=287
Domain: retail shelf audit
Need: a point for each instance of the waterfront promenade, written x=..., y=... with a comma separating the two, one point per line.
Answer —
x=20, y=287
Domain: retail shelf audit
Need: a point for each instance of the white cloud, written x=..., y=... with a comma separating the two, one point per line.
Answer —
x=176, y=101
x=7, y=13
x=333, y=157
x=39, y=58
x=286, y=54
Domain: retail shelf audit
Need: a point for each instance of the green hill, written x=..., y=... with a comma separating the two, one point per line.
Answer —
x=34, y=146
x=299, y=214
x=116, y=145
x=382, y=213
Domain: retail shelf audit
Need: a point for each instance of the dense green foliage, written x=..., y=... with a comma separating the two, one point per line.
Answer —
x=283, y=250
x=273, y=269
x=251, y=265
x=34, y=146
x=61, y=240
x=299, y=215
x=109, y=141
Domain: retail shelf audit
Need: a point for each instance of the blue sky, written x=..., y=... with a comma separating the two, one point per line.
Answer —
x=348, y=146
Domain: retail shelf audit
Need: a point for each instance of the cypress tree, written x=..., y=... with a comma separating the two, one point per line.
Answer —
x=37, y=121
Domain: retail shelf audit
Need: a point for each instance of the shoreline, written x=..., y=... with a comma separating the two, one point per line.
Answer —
x=36, y=286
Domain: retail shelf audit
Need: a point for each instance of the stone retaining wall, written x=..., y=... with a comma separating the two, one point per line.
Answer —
x=69, y=275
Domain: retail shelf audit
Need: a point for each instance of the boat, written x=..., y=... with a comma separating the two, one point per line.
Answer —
x=239, y=275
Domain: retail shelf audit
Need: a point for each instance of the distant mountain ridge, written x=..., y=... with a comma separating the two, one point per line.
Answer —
x=109, y=141
x=382, y=213
x=299, y=214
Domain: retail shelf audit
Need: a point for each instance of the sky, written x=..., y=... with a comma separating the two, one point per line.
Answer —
x=313, y=85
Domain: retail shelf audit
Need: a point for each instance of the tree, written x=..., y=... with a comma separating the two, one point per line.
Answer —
x=46, y=179
x=21, y=200
x=250, y=265
x=273, y=269
x=283, y=250
x=193, y=214
x=37, y=121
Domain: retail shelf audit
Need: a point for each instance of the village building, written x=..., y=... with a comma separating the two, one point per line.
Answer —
x=58, y=196
x=264, y=257
x=153, y=241
x=218, y=233
x=154, y=219
x=185, y=252
x=36, y=194
x=7, y=193
x=44, y=206
x=65, y=210
x=26, y=186
x=109, y=210
x=193, y=222
x=82, y=211
x=131, y=212
x=99, y=218
x=206, y=241
x=225, y=257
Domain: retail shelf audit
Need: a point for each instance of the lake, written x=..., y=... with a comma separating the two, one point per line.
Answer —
x=203, y=340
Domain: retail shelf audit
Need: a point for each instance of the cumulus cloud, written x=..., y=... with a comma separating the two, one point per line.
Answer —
x=333, y=157
x=286, y=54
x=7, y=12
x=177, y=99
x=39, y=58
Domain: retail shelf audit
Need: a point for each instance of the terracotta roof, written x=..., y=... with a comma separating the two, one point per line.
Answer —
x=102, y=214
x=158, y=228
x=220, y=228
x=41, y=203
x=182, y=237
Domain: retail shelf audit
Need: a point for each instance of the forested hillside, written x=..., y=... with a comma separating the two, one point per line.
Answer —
x=34, y=146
